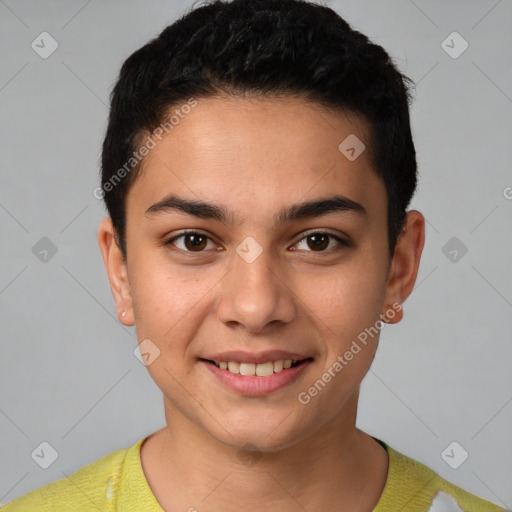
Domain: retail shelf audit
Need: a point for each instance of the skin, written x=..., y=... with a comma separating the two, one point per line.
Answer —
x=255, y=156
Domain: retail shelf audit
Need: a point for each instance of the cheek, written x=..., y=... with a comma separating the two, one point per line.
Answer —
x=167, y=299
x=344, y=300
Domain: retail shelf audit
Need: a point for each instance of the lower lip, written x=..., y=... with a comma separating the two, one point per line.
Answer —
x=254, y=385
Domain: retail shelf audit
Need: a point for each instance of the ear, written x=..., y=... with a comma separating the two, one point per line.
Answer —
x=405, y=264
x=117, y=270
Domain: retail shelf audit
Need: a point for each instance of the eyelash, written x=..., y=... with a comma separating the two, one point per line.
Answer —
x=342, y=242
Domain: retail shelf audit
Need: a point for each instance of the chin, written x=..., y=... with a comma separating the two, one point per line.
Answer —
x=268, y=435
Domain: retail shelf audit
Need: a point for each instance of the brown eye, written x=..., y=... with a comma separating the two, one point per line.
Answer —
x=195, y=241
x=192, y=241
x=319, y=241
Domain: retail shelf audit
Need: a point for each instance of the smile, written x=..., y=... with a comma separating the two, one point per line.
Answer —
x=261, y=369
x=256, y=378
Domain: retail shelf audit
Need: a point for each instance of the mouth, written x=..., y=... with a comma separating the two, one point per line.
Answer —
x=256, y=379
x=265, y=369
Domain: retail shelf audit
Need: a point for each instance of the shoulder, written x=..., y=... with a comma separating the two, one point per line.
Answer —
x=414, y=487
x=90, y=488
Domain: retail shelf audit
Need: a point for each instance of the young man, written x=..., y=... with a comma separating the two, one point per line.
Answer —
x=257, y=169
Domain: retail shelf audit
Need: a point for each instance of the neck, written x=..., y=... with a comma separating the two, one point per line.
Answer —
x=186, y=467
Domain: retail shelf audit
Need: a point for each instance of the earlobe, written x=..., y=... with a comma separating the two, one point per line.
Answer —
x=117, y=271
x=404, y=265
x=393, y=313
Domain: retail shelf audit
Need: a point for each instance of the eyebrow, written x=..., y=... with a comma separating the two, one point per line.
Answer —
x=299, y=211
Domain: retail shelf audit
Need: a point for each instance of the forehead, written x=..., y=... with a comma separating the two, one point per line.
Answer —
x=257, y=154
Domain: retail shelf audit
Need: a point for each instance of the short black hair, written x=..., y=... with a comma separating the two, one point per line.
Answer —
x=266, y=48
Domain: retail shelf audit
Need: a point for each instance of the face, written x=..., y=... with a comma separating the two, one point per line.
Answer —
x=286, y=258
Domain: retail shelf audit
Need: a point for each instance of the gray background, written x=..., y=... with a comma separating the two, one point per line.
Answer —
x=68, y=375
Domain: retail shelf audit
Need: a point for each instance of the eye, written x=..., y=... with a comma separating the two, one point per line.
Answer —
x=319, y=241
x=193, y=241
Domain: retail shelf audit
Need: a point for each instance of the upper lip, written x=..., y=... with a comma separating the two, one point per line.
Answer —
x=256, y=358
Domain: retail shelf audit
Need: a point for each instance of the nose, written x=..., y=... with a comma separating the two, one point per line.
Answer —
x=254, y=295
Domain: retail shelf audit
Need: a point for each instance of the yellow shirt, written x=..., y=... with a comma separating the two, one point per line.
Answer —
x=117, y=482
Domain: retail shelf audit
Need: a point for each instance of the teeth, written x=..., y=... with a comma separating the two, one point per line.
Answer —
x=233, y=367
x=248, y=369
x=264, y=369
x=278, y=366
x=261, y=369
